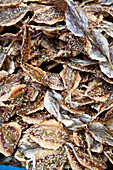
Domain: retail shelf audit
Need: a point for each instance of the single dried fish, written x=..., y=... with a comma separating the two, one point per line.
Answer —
x=48, y=15
x=76, y=19
x=13, y=14
x=10, y=134
x=25, y=50
x=50, y=159
x=100, y=133
x=36, y=117
x=48, y=134
x=98, y=90
x=84, y=159
x=100, y=42
x=71, y=78
x=36, y=73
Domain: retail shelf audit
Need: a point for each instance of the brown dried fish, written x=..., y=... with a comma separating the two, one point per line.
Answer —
x=98, y=90
x=84, y=159
x=48, y=15
x=10, y=2
x=9, y=83
x=100, y=133
x=37, y=117
x=25, y=50
x=13, y=14
x=71, y=78
x=56, y=83
x=9, y=136
x=48, y=134
x=36, y=73
x=50, y=159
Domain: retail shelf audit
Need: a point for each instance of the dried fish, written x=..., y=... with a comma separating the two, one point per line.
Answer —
x=48, y=134
x=25, y=51
x=71, y=78
x=72, y=159
x=9, y=83
x=45, y=158
x=94, y=88
x=100, y=42
x=48, y=15
x=56, y=84
x=36, y=117
x=9, y=136
x=84, y=159
x=36, y=73
x=76, y=19
x=13, y=14
x=100, y=133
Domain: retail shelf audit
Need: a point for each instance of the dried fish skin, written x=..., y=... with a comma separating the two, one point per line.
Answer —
x=9, y=135
x=11, y=15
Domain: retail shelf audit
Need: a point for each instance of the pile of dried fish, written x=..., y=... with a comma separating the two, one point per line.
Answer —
x=56, y=84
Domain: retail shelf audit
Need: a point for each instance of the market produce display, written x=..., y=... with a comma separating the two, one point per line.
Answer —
x=56, y=84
